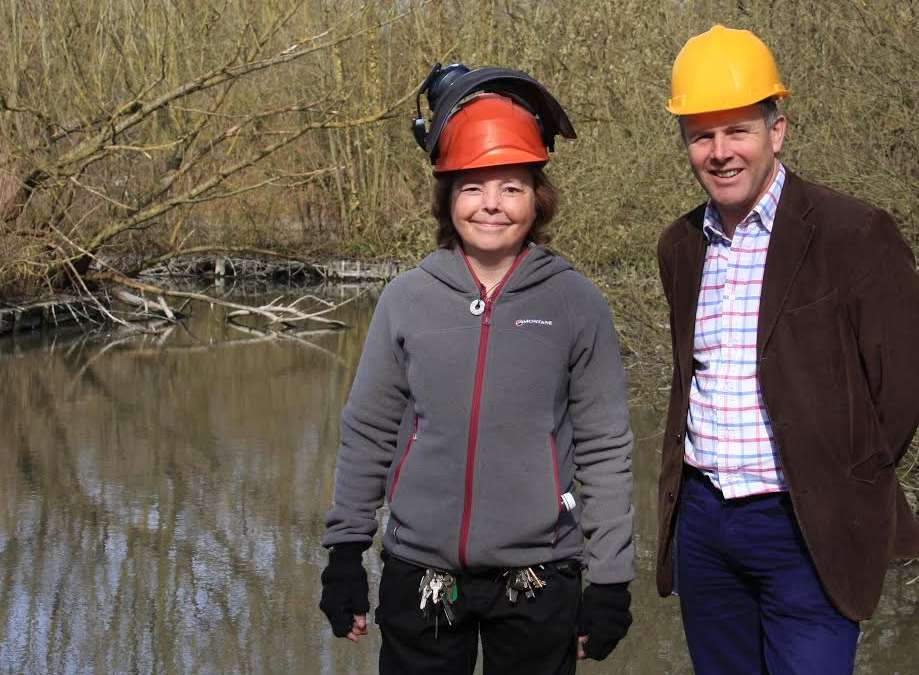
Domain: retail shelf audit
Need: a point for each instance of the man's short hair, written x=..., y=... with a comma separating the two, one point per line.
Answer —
x=771, y=111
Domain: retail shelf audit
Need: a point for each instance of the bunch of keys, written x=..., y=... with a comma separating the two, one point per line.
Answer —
x=522, y=580
x=438, y=587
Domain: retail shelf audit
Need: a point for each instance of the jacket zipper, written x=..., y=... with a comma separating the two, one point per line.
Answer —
x=408, y=447
x=472, y=441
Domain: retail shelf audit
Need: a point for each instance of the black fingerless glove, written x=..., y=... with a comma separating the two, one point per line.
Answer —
x=604, y=617
x=344, y=587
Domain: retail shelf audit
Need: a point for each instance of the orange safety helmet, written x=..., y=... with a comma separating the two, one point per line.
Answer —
x=722, y=69
x=489, y=130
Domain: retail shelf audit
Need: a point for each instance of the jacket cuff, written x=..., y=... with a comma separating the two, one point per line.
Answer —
x=347, y=553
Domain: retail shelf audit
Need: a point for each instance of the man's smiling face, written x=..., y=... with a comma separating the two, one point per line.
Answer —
x=732, y=154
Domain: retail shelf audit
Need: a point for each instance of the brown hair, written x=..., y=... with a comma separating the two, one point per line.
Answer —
x=546, y=207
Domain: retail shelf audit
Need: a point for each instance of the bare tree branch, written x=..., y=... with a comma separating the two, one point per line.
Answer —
x=221, y=175
x=130, y=113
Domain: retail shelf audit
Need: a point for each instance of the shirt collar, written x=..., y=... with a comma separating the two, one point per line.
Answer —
x=762, y=213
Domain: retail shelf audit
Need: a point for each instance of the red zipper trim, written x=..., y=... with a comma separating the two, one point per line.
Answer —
x=477, y=395
x=408, y=447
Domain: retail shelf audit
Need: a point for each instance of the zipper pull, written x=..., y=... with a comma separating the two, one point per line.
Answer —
x=477, y=306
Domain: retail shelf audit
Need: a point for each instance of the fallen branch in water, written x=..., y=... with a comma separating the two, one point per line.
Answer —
x=263, y=335
x=54, y=311
x=274, y=312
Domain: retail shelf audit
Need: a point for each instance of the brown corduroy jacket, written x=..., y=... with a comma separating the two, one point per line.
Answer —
x=838, y=366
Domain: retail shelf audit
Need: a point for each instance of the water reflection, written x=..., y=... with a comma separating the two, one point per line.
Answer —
x=163, y=501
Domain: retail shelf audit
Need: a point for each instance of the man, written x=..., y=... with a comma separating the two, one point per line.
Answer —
x=794, y=316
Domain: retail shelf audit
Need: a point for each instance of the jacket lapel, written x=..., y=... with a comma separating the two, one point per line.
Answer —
x=788, y=244
x=689, y=259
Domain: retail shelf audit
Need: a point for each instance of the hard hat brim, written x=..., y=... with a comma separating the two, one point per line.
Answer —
x=498, y=157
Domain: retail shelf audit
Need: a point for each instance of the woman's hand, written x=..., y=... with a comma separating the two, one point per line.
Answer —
x=358, y=627
x=344, y=592
x=604, y=619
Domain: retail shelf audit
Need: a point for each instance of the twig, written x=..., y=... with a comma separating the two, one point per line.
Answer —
x=296, y=337
x=104, y=196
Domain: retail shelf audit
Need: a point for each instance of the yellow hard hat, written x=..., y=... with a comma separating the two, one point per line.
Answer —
x=721, y=69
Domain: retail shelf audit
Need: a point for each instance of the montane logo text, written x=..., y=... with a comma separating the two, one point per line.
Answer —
x=532, y=322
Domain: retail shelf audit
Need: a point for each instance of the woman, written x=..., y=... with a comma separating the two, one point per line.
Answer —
x=489, y=383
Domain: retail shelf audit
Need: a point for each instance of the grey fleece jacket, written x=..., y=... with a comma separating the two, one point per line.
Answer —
x=474, y=425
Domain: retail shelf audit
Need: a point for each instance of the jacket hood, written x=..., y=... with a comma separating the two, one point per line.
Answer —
x=449, y=267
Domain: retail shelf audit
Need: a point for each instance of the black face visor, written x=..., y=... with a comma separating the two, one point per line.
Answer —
x=446, y=87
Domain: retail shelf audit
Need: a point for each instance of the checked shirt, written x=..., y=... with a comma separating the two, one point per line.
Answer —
x=729, y=435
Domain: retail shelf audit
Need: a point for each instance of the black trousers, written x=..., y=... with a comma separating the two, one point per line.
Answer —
x=534, y=636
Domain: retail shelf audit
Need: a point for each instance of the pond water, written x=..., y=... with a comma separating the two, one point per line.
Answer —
x=162, y=504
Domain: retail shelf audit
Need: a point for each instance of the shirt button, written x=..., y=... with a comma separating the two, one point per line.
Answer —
x=670, y=497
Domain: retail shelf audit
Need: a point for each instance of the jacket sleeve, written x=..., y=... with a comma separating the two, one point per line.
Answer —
x=603, y=442
x=884, y=310
x=369, y=430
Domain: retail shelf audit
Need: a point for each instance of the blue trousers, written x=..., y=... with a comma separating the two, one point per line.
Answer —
x=749, y=594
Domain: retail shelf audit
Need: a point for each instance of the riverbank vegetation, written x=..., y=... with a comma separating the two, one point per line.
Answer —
x=136, y=131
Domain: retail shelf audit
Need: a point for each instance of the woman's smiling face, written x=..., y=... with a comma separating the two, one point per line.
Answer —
x=493, y=209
